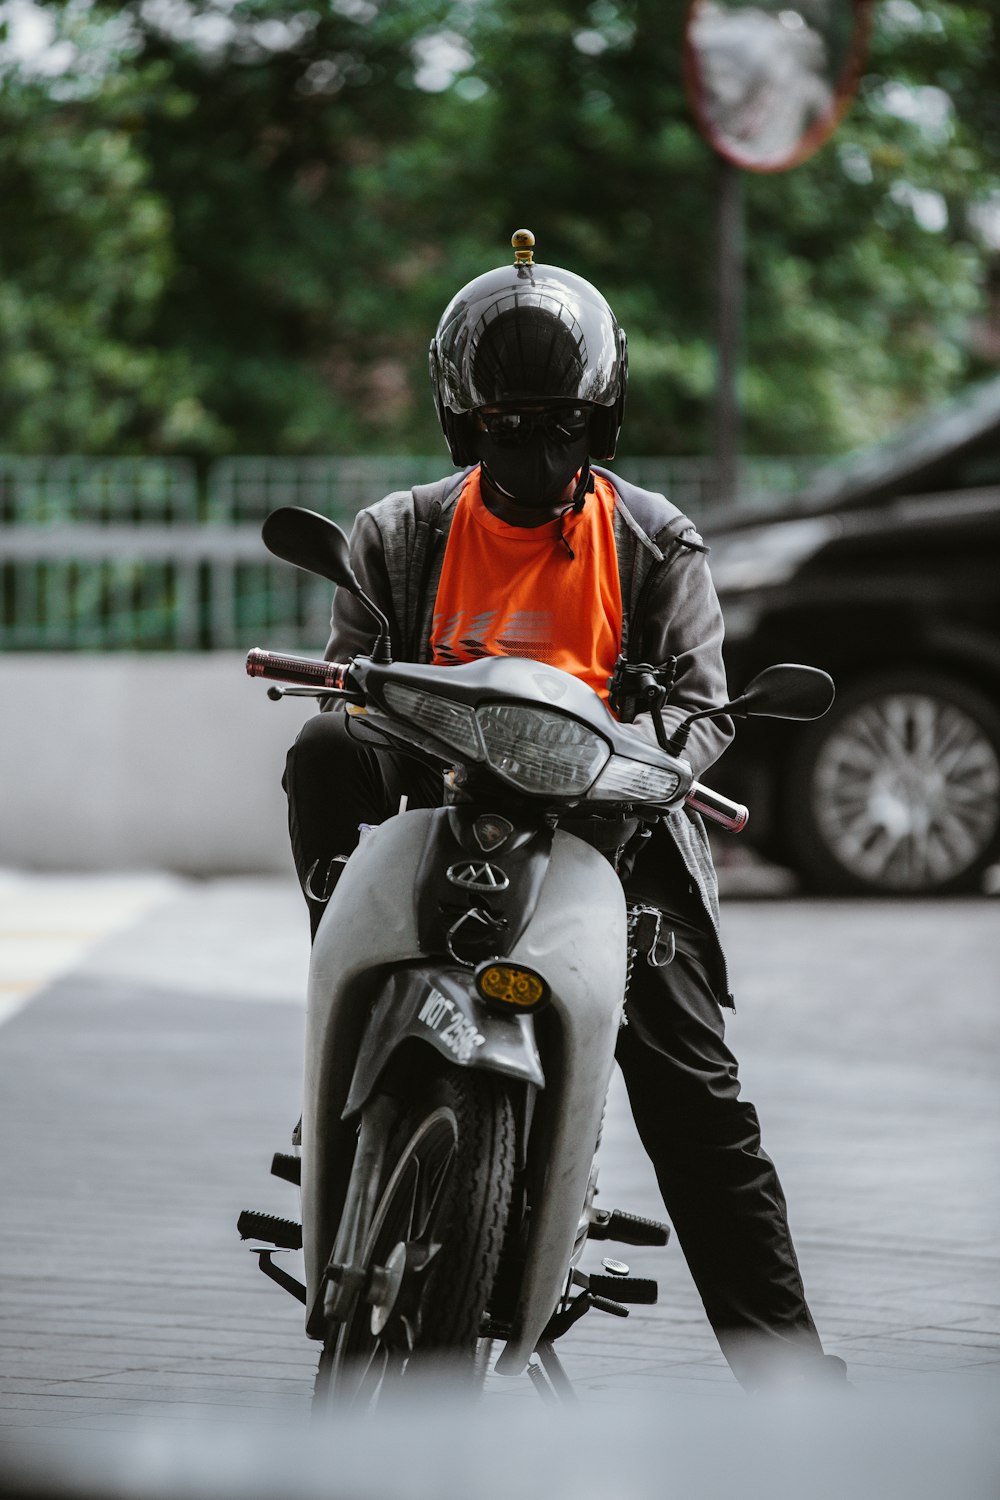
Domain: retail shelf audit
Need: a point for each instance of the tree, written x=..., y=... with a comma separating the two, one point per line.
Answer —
x=85, y=257
x=283, y=199
x=863, y=267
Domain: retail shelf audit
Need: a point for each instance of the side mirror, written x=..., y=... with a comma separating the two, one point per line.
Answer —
x=787, y=691
x=310, y=541
x=783, y=692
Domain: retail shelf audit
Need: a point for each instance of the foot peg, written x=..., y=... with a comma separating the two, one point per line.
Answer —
x=617, y=1287
x=627, y=1229
x=288, y=1168
x=283, y=1233
x=562, y=1322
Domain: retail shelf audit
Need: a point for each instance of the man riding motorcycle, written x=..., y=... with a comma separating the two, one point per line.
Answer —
x=530, y=551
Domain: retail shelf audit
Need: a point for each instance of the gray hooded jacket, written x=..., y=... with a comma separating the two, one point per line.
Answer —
x=669, y=608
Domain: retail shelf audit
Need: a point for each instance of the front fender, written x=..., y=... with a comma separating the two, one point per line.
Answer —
x=438, y=1006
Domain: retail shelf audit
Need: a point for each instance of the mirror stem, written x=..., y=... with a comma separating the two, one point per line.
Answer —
x=382, y=649
x=661, y=733
x=678, y=740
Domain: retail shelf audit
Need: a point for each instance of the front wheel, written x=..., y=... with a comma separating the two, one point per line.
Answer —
x=897, y=789
x=434, y=1243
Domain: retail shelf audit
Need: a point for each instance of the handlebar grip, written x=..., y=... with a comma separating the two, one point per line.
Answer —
x=330, y=674
x=732, y=815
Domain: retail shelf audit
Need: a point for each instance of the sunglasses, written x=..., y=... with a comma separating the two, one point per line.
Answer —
x=560, y=424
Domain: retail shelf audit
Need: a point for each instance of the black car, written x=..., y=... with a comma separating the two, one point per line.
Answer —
x=885, y=572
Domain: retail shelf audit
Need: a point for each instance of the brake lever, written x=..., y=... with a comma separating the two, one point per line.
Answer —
x=276, y=693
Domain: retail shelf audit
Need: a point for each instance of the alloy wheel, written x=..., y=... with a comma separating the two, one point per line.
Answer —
x=905, y=789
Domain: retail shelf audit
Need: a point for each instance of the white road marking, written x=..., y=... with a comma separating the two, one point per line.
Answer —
x=49, y=923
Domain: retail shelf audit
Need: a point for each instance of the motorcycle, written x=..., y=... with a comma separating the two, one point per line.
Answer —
x=467, y=983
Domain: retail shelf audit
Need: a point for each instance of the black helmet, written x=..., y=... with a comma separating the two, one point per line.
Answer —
x=526, y=333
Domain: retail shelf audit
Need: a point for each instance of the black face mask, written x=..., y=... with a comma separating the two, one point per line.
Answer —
x=534, y=468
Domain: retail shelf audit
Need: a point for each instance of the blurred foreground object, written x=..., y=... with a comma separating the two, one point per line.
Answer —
x=884, y=572
x=937, y=1439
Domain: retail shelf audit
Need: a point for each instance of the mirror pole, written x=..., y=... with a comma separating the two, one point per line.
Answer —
x=728, y=294
x=736, y=708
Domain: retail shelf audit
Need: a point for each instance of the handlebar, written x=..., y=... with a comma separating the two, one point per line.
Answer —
x=732, y=815
x=335, y=676
x=328, y=674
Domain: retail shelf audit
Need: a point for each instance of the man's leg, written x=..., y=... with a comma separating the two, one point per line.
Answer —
x=334, y=783
x=720, y=1188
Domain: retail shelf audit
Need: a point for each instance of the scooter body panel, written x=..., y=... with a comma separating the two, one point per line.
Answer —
x=576, y=939
x=370, y=923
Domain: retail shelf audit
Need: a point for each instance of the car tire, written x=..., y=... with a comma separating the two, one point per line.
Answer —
x=896, y=791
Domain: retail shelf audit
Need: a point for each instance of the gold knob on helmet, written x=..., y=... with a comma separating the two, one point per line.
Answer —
x=522, y=242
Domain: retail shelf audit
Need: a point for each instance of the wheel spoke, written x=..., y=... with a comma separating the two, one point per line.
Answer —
x=970, y=795
x=877, y=854
x=373, y=1376
x=406, y=1227
x=435, y=1187
x=955, y=739
x=925, y=722
x=956, y=838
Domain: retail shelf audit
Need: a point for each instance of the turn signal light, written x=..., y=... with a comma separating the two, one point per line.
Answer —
x=511, y=985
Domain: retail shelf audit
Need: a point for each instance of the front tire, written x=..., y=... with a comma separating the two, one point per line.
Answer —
x=434, y=1244
x=897, y=790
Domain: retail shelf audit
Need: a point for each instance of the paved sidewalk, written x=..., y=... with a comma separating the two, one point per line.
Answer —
x=143, y=1091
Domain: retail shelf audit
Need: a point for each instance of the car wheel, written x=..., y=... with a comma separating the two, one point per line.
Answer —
x=897, y=790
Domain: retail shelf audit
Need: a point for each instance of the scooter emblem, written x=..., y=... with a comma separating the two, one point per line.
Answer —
x=491, y=831
x=477, y=875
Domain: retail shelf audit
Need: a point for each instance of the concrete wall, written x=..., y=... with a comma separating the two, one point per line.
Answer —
x=119, y=762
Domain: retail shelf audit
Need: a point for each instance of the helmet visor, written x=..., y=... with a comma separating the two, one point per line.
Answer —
x=513, y=428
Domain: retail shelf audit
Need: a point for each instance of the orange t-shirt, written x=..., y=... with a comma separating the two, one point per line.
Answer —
x=516, y=591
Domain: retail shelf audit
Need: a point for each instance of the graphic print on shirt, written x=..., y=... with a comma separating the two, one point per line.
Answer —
x=501, y=632
x=518, y=591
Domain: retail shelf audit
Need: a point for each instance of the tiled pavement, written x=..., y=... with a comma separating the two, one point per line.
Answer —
x=144, y=1088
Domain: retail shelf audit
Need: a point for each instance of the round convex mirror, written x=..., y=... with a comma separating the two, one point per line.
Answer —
x=768, y=80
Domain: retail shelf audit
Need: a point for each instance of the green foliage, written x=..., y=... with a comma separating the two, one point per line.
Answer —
x=85, y=258
x=864, y=273
x=238, y=234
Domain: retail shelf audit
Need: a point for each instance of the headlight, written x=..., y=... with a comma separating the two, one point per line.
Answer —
x=538, y=751
x=626, y=780
x=451, y=723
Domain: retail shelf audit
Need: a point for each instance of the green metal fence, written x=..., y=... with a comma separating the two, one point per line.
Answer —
x=153, y=555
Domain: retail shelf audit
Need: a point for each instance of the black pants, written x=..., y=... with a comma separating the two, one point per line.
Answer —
x=719, y=1186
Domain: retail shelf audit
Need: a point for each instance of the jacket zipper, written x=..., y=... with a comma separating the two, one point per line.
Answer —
x=635, y=616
